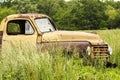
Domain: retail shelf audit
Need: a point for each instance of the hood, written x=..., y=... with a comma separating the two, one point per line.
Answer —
x=94, y=39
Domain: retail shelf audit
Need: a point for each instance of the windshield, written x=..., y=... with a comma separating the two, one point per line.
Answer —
x=44, y=25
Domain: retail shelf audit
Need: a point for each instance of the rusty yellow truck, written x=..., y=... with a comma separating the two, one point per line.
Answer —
x=39, y=30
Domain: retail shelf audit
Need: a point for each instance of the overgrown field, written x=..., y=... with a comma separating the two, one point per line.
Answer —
x=28, y=64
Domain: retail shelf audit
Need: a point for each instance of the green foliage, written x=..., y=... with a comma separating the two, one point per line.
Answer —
x=5, y=12
x=71, y=15
x=12, y=27
x=25, y=6
x=48, y=7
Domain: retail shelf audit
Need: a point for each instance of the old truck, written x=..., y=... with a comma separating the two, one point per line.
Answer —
x=40, y=31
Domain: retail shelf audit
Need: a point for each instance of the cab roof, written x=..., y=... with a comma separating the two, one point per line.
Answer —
x=26, y=16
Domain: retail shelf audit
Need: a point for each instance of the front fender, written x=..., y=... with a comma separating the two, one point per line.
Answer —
x=79, y=46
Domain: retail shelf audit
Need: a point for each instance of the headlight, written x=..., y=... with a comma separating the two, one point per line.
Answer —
x=110, y=50
x=88, y=50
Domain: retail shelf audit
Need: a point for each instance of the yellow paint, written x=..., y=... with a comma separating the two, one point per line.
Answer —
x=17, y=40
x=55, y=36
x=46, y=37
x=94, y=39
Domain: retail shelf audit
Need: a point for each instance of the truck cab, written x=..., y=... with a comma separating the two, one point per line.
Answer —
x=39, y=30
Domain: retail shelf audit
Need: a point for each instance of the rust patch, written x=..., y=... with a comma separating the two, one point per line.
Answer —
x=1, y=34
x=6, y=19
x=70, y=45
x=30, y=15
x=21, y=16
x=39, y=35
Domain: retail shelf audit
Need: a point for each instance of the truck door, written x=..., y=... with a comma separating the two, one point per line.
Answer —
x=19, y=33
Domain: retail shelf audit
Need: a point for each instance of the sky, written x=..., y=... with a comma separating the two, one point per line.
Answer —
x=1, y=0
x=67, y=0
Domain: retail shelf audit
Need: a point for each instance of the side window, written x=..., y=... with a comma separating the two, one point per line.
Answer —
x=16, y=27
x=13, y=28
x=28, y=28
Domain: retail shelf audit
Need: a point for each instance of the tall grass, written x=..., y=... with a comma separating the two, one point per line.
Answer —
x=29, y=64
x=112, y=37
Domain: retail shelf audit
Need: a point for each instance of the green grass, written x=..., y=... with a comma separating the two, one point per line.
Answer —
x=112, y=37
x=28, y=64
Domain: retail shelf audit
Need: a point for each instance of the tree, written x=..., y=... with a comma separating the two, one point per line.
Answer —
x=5, y=12
x=83, y=14
x=6, y=3
x=72, y=15
x=113, y=11
x=112, y=15
x=94, y=14
x=25, y=6
x=48, y=7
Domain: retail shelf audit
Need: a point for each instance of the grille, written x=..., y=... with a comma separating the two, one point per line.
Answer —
x=100, y=51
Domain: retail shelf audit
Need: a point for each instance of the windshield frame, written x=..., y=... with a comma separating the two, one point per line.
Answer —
x=50, y=20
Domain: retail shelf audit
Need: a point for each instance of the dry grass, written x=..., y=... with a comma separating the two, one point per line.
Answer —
x=27, y=64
